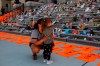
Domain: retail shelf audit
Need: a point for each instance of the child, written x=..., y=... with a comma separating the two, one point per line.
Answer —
x=48, y=44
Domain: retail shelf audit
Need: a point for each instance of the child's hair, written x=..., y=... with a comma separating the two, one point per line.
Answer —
x=45, y=22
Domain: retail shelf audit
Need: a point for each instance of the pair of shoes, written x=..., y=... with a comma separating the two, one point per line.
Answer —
x=34, y=57
x=49, y=62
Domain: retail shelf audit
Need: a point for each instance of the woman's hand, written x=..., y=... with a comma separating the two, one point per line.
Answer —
x=45, y=38
x=41, y=41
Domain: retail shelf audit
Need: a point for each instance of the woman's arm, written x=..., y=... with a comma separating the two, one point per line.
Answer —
x=35, y=40
x=39, y=42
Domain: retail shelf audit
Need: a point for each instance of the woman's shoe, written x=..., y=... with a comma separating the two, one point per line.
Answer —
x=35, y=57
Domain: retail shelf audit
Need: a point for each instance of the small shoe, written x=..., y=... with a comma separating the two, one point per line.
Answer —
x=34, y=57
x=44, y=60
x=49, y=62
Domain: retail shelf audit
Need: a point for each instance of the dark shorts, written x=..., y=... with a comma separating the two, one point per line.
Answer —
x=40, y=46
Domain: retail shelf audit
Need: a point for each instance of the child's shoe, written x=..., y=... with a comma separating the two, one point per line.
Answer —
x=44, y=60
x=49, y=62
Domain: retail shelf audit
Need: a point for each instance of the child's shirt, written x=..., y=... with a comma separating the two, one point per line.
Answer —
x=49, y=32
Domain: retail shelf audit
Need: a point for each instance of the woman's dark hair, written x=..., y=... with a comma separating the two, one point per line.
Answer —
x=38, y=22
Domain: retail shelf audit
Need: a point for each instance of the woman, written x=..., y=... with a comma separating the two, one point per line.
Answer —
x=37, y=39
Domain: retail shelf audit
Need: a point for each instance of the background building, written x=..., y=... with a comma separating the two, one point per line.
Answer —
x=8, y=4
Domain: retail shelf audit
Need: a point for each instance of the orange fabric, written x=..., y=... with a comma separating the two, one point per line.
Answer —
x=69, y=45
x=14, y=38
x=6, y=17
x=56, y=49
x=67, y=50
x=99, y=56
x=86, y=49
x=98, y=64
x=88, y=57
x=61, y=53
x=68, y=53
x=59, y=42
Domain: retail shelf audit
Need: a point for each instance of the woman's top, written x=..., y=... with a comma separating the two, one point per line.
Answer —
x=35, y=35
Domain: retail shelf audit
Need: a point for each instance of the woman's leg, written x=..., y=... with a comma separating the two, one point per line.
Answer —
x=35, y=50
